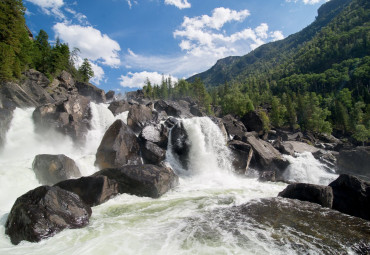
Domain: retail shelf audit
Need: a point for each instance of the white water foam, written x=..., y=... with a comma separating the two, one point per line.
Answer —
x=128, y=224
x=305, y=168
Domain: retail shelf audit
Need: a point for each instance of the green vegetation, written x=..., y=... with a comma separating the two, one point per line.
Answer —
x=18, y=52
x=316, y=80
x=85, y=71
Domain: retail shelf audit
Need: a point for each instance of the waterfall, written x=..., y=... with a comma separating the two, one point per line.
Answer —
x=305, y=168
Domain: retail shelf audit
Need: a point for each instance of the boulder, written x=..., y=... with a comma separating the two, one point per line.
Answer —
x=93, y=190
x=171, y=122
x=88, y=90
x=110, y=95
x=6, y=116
x=139, y=116
x=44, y=212
x=170, y=110
x=285, y=148
x=266, y=157
x=355, y=162
x=299, y=147
x=144, y=180
x=267, y=176
x=180, y=144
x=62, y=87
x=322, y=195
x=118, y=107
x=233, y=126
x=196, y=111
x=157, y=134
x=253, y=122
x=118, y=147
x=71, y=117
x=152, y=153
x=351, y=196
x=242, y=155
x=50, y=169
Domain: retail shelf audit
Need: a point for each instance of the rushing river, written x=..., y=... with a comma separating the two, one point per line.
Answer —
x=192, y=219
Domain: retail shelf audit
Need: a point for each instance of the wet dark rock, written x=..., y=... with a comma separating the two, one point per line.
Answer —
x=233, y=126
x=152, y=153
x=351, y=196
x=90, y=91
x=157, y=134
x=143, y=180
x=196, y=111
x=180, y=143
x=170, y=122
x=139, y=116
x=322, y=195
x=6, y=116
x=70, y=117
x=118, y=147
x=253, y=122
x=355, y=162
x=110, y=95
x=328, y=158
x=51, y=169
x=266, y=157
x=267, y=176
x=162, y=105
x=118, y=107
x=93, y=190
x=44, y=212
x=242, y=155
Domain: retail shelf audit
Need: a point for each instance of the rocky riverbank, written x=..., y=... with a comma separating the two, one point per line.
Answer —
x=131, y=157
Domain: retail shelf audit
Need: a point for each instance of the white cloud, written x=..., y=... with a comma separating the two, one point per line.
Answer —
x=137, y=80
x=99, y=74
x=277, y=35
x=50, y=7
x=92, y=43
x=308, y=1
x=181, y=4
x=81, y=18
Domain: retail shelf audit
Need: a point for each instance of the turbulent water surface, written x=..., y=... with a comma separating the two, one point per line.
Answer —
x=200, y=216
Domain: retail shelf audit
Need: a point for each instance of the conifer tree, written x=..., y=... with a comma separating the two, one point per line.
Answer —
x=86, y=71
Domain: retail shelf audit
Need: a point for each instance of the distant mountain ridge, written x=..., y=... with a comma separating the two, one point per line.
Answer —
x=270, y=55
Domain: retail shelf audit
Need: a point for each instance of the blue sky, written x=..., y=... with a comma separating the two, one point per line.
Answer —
x=129, y=40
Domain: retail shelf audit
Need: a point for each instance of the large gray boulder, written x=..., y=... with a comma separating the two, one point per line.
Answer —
x=50, y=169
x=90, y=91
x=322, y=195
x=242, y=155
x=139, y=116
x=62, y=87
x=152, y=153
x=142, y=180
x=71, y=117
x=157, y=134
x=118, y=107
x=118, y=147
x=93, y=190
x=44, y=212
x=266, y=157
x=179, y=109
x=233, y=126
x=351, y=196
x=253, y=122
x=355, y=162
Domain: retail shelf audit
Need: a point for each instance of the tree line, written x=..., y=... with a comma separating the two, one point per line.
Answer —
x=20, y=52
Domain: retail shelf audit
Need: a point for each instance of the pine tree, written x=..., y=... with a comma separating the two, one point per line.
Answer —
x=86, y=71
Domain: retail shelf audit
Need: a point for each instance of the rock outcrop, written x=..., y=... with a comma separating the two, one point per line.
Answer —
x=142, y=180
x=253, y=122
x=44, y=212
x=233, y=126
x=351, y=196
x=152, y=153
x=118, y=147
x=355, y=162
x=322, y=195
x=51, y=169
x=242, y=153
x=90, y=91
x=139, y=116
x=180, y=143
x=118, y=107
x=93, y=190
x=157, y=134
x=70, y=117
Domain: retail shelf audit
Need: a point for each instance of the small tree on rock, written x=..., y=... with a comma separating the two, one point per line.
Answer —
x=86, y=71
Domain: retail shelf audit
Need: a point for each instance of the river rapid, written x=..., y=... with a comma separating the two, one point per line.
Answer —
x=191, y=219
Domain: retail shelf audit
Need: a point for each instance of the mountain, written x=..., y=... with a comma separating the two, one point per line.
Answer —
x=276, y=56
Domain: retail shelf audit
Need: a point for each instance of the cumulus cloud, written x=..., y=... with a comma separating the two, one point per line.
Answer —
x=137, y=80
x=50, y=7
x=181, y=4
x=81, y=18
x=99, y=73
x=92, y=43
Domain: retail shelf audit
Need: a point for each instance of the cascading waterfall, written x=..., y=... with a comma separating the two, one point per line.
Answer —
x=305, y=168
x=183, y=221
